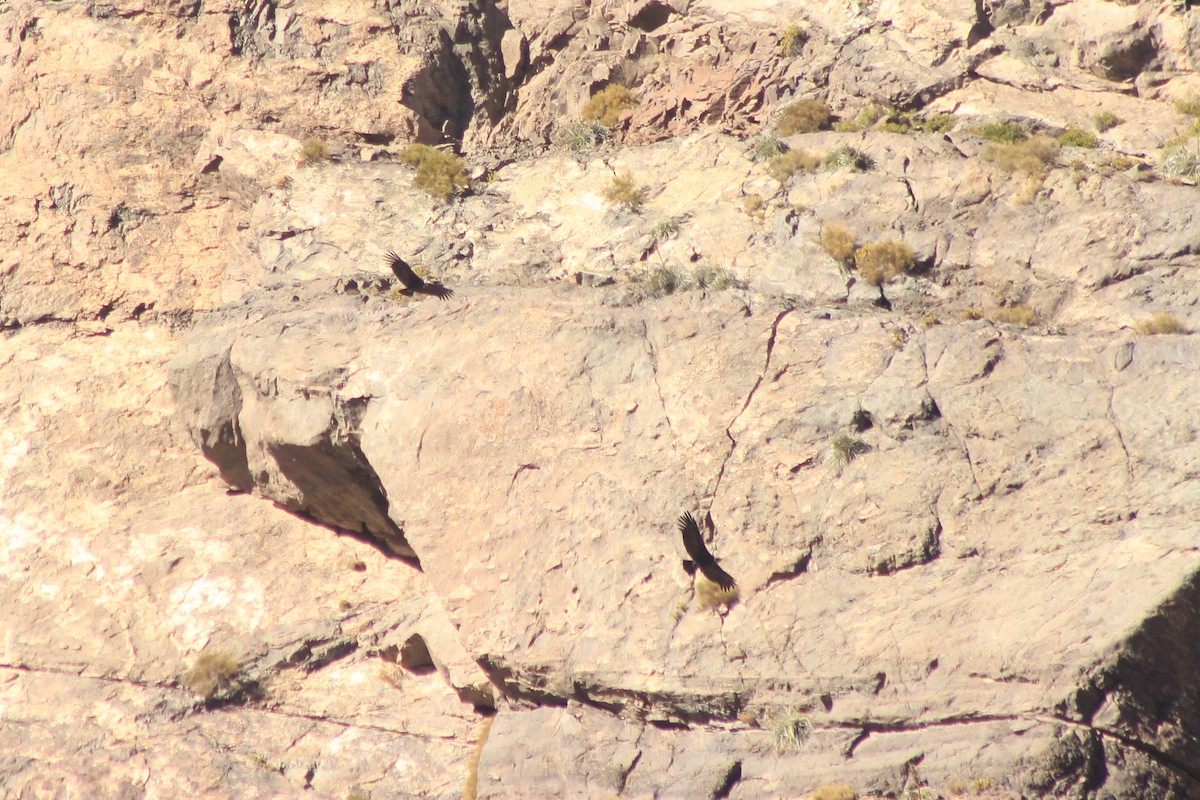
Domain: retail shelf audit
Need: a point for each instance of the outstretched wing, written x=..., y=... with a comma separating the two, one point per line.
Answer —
x=411, y=280
x=693, y=543
x=436, y=289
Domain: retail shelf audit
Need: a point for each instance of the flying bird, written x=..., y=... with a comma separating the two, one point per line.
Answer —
x=693, y=542
x=413, y=282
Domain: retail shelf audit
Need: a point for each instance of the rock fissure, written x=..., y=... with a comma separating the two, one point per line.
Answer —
x=749, y=399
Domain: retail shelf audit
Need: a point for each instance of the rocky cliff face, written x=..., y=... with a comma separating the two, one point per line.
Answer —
x=272, y=528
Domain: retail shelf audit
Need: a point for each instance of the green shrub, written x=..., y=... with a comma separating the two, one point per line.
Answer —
x=767, y=147
x=314, y=151
x=665, y=229
x=585, y=136
x=1161, y=323
x=716, y=278
x=1182, y=161
x=804, y=116
x=865, y=119
x=838, y=242
x=783, y=167
x=1078, y=137
x=844, y=448
x=606, y=105
x=665, y=280
x=440, y=174
x=1005, y=132
x=791, y=41
x=1190, y=105
x=214, y=675
x=1032, y=156
x=624, y=192
x=908, y=122
x=880, y=262
x=1105, y=120
x=846, y=156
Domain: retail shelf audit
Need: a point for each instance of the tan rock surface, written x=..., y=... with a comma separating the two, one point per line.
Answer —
x=998, y=593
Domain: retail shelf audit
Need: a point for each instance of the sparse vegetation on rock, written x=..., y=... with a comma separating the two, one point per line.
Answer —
x=214, y=675
x=1078, y=137
x=1002, y=132
x=883, y=261
x=1161, y=323
x=314, y=151
x=1019, y=314
x=1032, y=156
x=1105, y=120
x=789, y=729
x=606, y=105
x=834, y=791
x=847, y=156
x=803, y=116
x=625, y=192
x=440, y=174
x=586, y=136
x=838, y=242
x=783, y=167
x=844, y=448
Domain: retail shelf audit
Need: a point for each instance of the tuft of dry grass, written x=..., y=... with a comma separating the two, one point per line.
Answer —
x=792, y=40
x=1032, y=156
x=624, y=192
x=838, y=242
x=833, y=791
x=1161, y=323
x=710, y=596
x=868, y=116
x=606, y=105
x=880, y=262
x=1020, y=314
x=314, y=151
x=1105, y=120
x=803, y=116
x=213, y=675
x=789, y=729
x=783, y=167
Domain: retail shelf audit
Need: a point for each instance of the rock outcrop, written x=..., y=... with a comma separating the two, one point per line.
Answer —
x=434, y=542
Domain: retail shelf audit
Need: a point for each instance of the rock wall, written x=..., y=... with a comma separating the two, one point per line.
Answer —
x=438, y=539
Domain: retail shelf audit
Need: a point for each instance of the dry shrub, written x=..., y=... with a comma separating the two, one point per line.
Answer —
x=1078, y=137
x=868, y=116
x=213, y=675
x=1033, y=156
x=606, y=105
x=1020, y=314
x=624, y=192
x=710, y=596
x=439, y=173
x=783, y=167
x=804, y=116
x=791, y=40
x=838, y=242
x=1161, y=323
x=879, y=262
x=789, y=730
x=313, y=151
x=1105, y=120
x=833, y=791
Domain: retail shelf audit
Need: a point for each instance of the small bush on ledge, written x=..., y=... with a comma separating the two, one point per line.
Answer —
x=624, y=192
x=314, y=151
x=1160, y=324
x=606, y=105
x=803, y=116
x=783, y=167
x=440, y=174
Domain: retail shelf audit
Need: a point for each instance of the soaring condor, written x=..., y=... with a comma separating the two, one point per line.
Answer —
x=412, y=281
x=693, y=542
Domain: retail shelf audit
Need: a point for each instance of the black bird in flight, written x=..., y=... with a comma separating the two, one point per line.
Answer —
x=693, y=542
x=412, y=281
